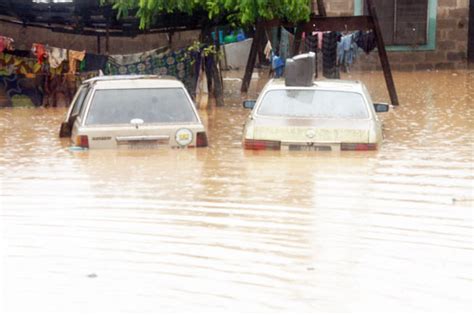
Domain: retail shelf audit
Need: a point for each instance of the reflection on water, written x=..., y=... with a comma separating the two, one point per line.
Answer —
x=222, y=229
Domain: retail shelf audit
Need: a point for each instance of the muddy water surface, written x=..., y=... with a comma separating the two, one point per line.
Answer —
x=220, y=229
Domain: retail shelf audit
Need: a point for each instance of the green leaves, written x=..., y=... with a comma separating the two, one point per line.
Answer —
x=238, y=11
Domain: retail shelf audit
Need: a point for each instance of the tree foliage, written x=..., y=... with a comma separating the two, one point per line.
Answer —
x=237, y=11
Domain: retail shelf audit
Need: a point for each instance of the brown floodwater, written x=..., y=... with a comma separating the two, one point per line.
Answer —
x=220, y=229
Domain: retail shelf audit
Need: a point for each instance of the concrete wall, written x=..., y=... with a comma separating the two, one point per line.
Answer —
x=25, y=36
x=451, y=39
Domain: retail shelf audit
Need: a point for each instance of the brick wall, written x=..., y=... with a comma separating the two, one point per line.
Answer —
x=339, y=7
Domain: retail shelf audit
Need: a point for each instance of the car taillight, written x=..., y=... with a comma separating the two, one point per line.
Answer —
x=201, y=139
x=250, y=144
x=358, y=146
x=82, y=141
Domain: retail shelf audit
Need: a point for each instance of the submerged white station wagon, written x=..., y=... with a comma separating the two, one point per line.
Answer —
x=297, y=113
x=133, y=112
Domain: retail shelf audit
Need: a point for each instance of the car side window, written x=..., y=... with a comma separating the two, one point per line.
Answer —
x=87, y=98
x=81, y=94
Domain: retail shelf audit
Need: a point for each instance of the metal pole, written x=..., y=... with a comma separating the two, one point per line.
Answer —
x=321, y=8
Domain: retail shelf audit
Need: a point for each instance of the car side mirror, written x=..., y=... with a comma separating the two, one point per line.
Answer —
x=381, y=107
x=249, y=104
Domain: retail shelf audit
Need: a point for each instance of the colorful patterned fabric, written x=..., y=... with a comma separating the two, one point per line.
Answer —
x=17, y=84
x=137, y=57
x=176, y=63
x=10, y=64
x=74, y=57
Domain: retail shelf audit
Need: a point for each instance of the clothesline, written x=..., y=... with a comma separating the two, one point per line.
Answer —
x=55, y=60
x=344, y=53
x=49, y=75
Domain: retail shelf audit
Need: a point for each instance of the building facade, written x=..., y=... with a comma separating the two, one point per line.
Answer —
x=419, y=34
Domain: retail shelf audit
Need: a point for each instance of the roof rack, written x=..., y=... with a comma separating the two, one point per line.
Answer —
x=129, y=77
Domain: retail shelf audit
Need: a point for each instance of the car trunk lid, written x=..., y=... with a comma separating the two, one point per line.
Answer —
x=310, y=131
x=137, y=137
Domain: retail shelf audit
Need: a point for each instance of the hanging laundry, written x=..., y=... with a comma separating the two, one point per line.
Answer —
x=343, y=46
x=346, y=51
x=6, y=43
x=367, y=41
x=268, y=50
x=40, y=52
x=75, y=56
x=285, y=43
x=56, y=56
x=93, y=62
x=278, y=65
x=137, y=57
x=319, y=35
x=10, y=64
x=177, y=63
x=329, y=52
x=311, y=43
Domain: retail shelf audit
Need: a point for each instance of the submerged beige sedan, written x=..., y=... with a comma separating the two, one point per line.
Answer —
x=329, y=115
x=133, y=112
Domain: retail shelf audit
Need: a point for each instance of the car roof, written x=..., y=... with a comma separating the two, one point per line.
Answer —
x=134, y=81
x=339, y=85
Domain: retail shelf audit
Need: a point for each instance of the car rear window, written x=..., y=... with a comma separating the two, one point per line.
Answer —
x=157, y=105
x=313, y=104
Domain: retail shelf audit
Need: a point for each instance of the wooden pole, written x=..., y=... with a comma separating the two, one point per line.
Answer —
x=170, y=39
x=252, y=58
x=387, y=72
x=470, y=44
x=297, y=41
x=321, y=8
x=107, y=38
x=98, y=44
x=217, y=76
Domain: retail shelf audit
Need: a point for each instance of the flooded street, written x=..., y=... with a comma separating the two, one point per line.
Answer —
x=220, y=229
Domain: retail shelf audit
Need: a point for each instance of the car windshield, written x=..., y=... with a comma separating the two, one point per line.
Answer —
x=313, y=104
x=152, y=105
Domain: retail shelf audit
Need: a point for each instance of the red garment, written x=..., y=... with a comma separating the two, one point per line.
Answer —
x=40, y=52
